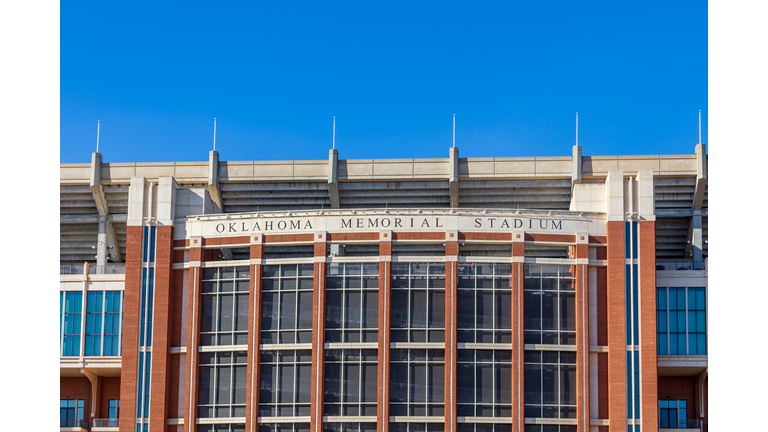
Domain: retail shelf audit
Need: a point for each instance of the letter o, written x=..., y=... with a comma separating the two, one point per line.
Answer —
x=221, y=225
x=281, y=227
x=387, y=221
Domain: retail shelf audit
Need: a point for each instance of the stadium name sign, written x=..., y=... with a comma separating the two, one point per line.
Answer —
x=374, y=222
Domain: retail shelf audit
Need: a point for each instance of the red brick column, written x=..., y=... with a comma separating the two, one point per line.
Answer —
x=647, y=304
x=451, y=311
x=582, y=331
x=254, y=336
x=130, y=342
x=193, y=332
x=161, y=328
x=617, y=338
x=518, y=339
x=385, y=273
x=318, y=334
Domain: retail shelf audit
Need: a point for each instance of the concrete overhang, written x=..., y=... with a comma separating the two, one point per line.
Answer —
x=681, y=365
x=100, y=366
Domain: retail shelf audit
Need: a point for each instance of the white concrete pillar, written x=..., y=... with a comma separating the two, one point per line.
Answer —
x=614, y=195
x=453, y=176
x=101, y=247
x=333, y=184
x=576, y=165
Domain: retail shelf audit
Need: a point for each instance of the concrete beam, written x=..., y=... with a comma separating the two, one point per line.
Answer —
x=94, y=379
x=213, y=178
x=90, y=218
x=113, y=248
x=701, y=175
x=333, y=183
x=453, y=179
x=96, y=189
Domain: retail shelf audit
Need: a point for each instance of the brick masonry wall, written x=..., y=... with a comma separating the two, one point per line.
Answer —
x=647, y=317
x=193, y=329
x=385, y=272
x=451, y=309
x=110, y=389
x=318, y=339
x=161, y=329
x=582, y=336
x=617, y=342
x=130, y=329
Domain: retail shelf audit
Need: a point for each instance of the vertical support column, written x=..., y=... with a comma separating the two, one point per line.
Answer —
x=582, y=330
x=451, y=309
x=333, y=184
x=163, y=305
x=616, y=300
x=101, y=248
x=193, y=332
x=453, y=177
x=576, y=165
x=318, y=333
x=213, y=179
x=647, y=301
x=132, y=304
x=254, y=334
x=518, y=339
x=385, y=273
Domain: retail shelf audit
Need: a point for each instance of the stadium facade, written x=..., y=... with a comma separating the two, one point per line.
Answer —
x=401, y=295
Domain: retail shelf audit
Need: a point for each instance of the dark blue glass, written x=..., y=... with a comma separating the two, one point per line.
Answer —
x=153, y=236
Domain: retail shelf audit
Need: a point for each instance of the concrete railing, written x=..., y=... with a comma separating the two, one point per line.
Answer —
x=683, y=264
x=71, y=269
x=107, y=269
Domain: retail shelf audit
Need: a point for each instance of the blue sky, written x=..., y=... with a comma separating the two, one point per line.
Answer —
x=393, y=73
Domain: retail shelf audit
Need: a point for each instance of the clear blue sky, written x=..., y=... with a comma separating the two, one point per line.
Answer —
x=393, y=74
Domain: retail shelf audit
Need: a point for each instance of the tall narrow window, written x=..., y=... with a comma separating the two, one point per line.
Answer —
x=72, y=308
x=417, y=382
x=485, y=303
x=550, y=305
x=287, y=304
x=418, y=302
x=112, y=322
x=350, y=382
x=94, y=318
x=286, y=383
x=222, y=384
x=114, y=412
x=352, y=302
x=224, y=304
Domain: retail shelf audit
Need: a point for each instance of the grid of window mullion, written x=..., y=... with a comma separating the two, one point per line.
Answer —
x=541, y=406
x=434, y=333
x=496, y=275
x=301, y=331
x=499, y=407
x=277, y=362
x=561, y=333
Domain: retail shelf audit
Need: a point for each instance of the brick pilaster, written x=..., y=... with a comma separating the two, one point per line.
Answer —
x=193, y=333
x=582, y=331
x=161, y=332
x=385, y=273
x=254, y=335
x=130, y=340
x=518, y=337
x=318, y=333
x=617, y=338
x=647, y=304
x=451, y=309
